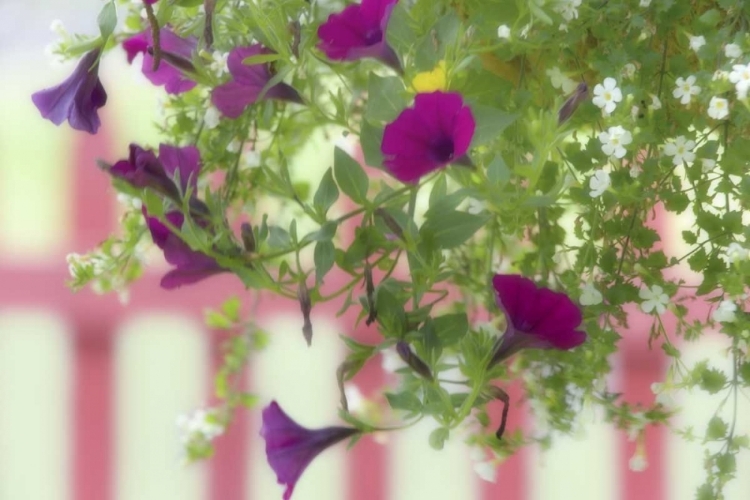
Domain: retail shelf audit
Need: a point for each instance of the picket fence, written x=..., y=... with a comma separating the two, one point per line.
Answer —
x=366, y=472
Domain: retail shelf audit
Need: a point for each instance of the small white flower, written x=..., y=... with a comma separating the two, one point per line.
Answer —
x=487, y=471
x=718, y=108
x=638, y=463
x=634, y=111
x=219, y=63
x=590, y=296
x=645, y=3
x=212, y=117
x=734, y=253
x=725, y=313
x=568, y=9
x=560, y=81
x=474, y=206
x=653, y=298
x=355, y=400
x=251, y=159
x=614, y=141
x=696, y=42
x=503, y=32
x=686, y=89
x=681, y=150
x=628, y=71
x=720, y=74
x=57, y=27
x=635, y=171
x=732, y=51
x=234, y=146
x=598, y=183
x=740, y=77
x=707, y=164
x=607, y=95
x=198, y=425
x=655, y=102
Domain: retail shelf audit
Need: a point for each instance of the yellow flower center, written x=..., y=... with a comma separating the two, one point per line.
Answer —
x=430, y=81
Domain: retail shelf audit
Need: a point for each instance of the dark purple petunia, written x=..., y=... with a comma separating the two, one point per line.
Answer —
x=190, y=265
x=248, y=81
x=358, y=32
x=537, y=318
x=436, y=131
x=143, y=169
x=176, y=55
x=77, y=99
x=290, y=447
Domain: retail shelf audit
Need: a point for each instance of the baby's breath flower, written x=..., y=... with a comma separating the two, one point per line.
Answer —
x=653, y=298
x=598, y=183
x=740, y=77
x=560, y=81
x=718, y=108
x=735, y=253
x=655, y=102
x=614, y=141
x=681, y=150
x=732, y=51
x=607, y=95
x=696, y=42
x=726, y=312
x=503, y=32
x=686, y=89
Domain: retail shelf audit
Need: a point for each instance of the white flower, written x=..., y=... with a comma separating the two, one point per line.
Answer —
x=590, y=296
x=234, y=146
x=486, y=471
x=198, y=425
x=696, y=42
x=725, y=313
x=732, y=51
x=635, y=171
x=638, y=462
x=720, y=74
x=686, y=89
x=628, y=71
x=607, y=95
x=681, y=150
x=708, y=164
x=568, y=9
x=251, y=159
x=212, y=117
x=735, y=253
x=645, y=3
x=740, y=77
x=560, y=81
x=655, y=102
x=653, y=298
x=598, y=183
x=718, y=108
x=390, y=361
x=503, y=31
x=355, y=400
x=57, y=27
x=219, y=63
x=634, y=111
x=614, y=141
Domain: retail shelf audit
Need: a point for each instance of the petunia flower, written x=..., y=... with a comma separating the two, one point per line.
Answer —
x=176, y=55
x=77, y=99
x=248, y=82
x=537, y=318
x=290, y=447
x=190, y=265
x=436, y=131
x=143, y=169
x=358, y=32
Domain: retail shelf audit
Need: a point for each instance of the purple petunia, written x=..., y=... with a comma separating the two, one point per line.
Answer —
x=290, y=447
x=537, y=318
x=77, y=99
x=190, y=265
x=143, y=169
x=358, y=32
x=176, y=55
x=436, y=131
x=248, y=81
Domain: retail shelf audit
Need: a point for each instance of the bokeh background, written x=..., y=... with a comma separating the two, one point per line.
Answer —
x=157, y=359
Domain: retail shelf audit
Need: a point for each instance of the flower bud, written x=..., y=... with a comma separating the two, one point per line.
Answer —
x=411, y=359
x=303, y=294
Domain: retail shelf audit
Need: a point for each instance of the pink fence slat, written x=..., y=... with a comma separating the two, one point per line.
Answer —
x=93, y=392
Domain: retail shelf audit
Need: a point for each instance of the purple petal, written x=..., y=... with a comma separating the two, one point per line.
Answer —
x=174, y=81
x=233, y=98
x=256, y=75
x=516, y=296
x=135, y=45
x=343, y=32
x=463, y=131
x=377, y=11
x=189, y=275
x=185, y=160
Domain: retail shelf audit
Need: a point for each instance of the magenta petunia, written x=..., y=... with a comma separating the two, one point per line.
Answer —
x=248, y=81
x=290, y=447
x=537, y=318
x=77, y=99
x=358, y=31
x=176, y=55
x=190, y=266
x=143, y=169
x=436, y=131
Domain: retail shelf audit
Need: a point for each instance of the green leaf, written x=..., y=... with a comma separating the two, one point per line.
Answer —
x=450, y=229
x=231, y=308
x=350, y=176
x=745, y=372
x=327, y=193
x=717, y=429
x=712, y=380
x=498, y=172
x=278, y=237
x=370, y=138
x=324, y=256
x=107, y=19
x=490, y=123
x=260, y=59
x=326, y=233
x=451, y=327
x=188, y=3
x=217, y=320
x=404, y=401
x=438, y=437
x=386, y=99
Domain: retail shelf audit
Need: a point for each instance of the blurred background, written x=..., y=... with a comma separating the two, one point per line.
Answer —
x=90, y=389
